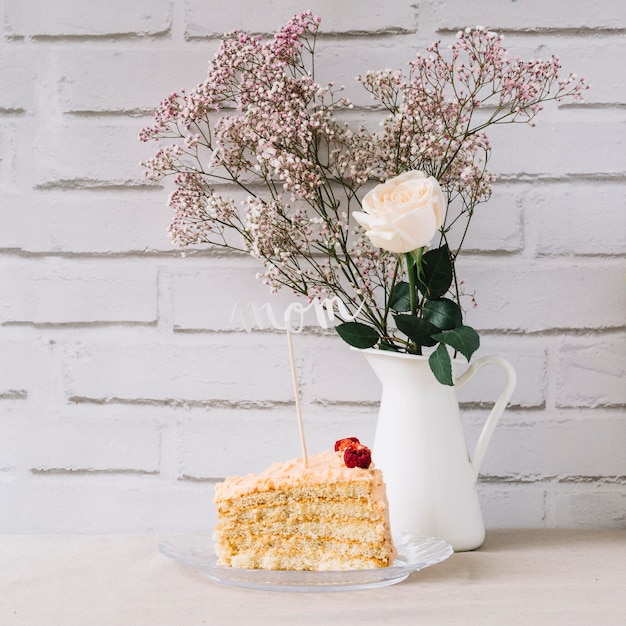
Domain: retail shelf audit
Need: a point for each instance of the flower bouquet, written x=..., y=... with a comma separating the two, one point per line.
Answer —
x=334, y=209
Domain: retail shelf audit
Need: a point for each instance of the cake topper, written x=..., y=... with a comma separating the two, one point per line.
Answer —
x=263, y=316
x=293, y=317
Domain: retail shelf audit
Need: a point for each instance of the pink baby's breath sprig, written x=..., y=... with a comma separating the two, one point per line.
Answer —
x=260, y=124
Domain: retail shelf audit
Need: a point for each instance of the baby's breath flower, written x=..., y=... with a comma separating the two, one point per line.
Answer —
x=261, y=122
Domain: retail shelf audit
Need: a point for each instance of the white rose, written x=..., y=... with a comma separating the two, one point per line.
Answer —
x=404, y=213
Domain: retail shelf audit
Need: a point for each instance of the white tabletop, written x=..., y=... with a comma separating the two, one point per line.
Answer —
x=528, y=577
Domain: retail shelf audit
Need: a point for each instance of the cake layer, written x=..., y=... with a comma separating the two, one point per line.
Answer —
x=297, y=543
x=280, y=495
x=315, y=561
x=321, y=528
x=287, y=507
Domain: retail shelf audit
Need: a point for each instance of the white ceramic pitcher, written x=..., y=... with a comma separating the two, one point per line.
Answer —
x=421, y=449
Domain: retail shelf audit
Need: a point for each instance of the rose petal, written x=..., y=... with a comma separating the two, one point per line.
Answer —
x=418, y=227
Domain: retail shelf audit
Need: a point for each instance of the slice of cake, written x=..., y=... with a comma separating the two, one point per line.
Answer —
x=331, y=514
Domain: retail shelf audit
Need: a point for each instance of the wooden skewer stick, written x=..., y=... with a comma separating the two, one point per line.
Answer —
x=294, y=378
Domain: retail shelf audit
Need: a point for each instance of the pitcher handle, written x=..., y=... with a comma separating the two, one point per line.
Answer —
x=498, y=407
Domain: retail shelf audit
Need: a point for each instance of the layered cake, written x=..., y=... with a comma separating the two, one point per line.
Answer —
x=328, y=514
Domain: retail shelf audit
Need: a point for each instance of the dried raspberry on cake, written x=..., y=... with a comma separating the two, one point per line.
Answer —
x=357, y=455
x=342, y=444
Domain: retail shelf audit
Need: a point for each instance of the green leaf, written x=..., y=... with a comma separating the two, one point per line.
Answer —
x=443, y=313
x=441, y=365
x=464, y=339
x=400, y=299
x=357, y=335
x=437, y=273
x=416, y=329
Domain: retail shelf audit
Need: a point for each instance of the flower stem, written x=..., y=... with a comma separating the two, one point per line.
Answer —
x=411, y=270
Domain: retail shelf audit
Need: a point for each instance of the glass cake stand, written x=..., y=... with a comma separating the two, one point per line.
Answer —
x=414, y=553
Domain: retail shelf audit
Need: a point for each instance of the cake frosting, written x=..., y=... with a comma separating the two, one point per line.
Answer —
x=318, y=515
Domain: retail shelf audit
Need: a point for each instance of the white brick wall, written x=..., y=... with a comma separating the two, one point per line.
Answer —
x=125, y=389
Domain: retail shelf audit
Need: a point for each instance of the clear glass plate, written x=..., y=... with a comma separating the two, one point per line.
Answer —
x=414, y=553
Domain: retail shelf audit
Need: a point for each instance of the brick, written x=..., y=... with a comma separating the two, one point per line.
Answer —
x=511, y=505
x=604, y=78
x=573, y=449
x=222, y=443
x=14, y=514
x=530, y=15
x=90, y=153
x=329, y=359
x=79, y=441
x=340, y=61
x=88, y=291
x=81, y=86
x=530, y=295
x=588, y=506
x=574, y=219
x=235, y=369
x=590, y=371
x=589, y=145
x=9, y=139
x=10, y=444
x=17, y=360
x=98, y=18
x=17, y=78
x=209, y=20
x=497, y=225
x=87, y=222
